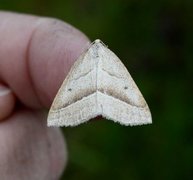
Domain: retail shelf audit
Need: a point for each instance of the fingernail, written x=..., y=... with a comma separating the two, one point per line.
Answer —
x=4, y=90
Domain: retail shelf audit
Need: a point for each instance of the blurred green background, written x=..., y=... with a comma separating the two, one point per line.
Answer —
x=154, y=39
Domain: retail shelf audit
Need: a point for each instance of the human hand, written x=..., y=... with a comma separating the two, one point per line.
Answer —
x=35, y=56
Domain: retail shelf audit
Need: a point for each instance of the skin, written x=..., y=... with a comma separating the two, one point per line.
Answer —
x=35, y=56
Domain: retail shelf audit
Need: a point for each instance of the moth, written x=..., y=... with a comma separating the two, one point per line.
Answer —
x=98, y=84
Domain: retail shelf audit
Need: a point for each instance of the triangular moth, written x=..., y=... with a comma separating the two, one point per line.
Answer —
x=98, y=84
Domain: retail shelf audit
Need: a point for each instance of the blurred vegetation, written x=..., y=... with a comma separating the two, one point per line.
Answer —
x=154, y=39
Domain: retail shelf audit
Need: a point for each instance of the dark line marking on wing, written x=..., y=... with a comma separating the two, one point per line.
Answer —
x=82, y=75
x=115, y=95
x=112, y=74
x=79, y=98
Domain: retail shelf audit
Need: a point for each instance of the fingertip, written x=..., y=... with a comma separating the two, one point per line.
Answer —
x=42, y=51
x=7, y=102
